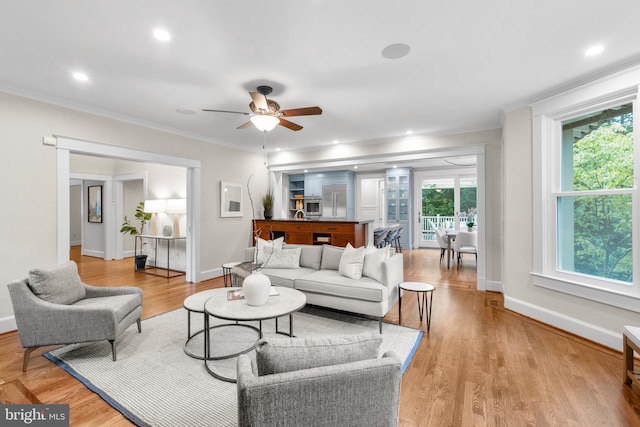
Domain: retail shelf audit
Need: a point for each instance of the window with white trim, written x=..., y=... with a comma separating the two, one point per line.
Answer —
x=586, y=159
x=595, y=202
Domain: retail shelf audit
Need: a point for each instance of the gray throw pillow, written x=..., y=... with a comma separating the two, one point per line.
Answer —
x=331, y=257
x=275, y=356
x=60, y=285
x=310, y=256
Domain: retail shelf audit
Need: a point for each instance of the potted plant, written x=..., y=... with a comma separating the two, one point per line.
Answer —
x=128, y=228
x=470, y=224
x=267, y=203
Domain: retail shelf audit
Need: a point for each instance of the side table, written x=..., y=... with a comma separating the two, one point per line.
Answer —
x=424, y=306
x=226, y=273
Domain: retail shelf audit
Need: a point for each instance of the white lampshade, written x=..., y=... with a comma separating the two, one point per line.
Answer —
x=177, y=206
x=264, y=122
x=155, y=206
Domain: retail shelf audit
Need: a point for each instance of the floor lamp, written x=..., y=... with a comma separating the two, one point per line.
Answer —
x=176, y=207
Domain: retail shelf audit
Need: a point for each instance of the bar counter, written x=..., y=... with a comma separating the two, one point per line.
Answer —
x=315, y=232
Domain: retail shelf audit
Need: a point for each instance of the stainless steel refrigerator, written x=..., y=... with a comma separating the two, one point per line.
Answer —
x=334, y=201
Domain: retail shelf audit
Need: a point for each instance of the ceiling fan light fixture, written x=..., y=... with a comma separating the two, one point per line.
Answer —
x=264, y=123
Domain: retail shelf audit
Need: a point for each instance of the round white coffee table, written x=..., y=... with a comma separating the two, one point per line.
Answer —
x=424, y=307
x=286, y=302
x=195, y=304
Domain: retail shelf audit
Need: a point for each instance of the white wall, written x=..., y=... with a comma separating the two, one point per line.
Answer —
x=599, y=322
x=28, y=183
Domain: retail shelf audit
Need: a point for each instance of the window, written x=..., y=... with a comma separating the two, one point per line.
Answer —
x=595, y=203
x=585, y=165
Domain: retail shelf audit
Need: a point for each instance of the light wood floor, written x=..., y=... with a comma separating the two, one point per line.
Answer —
x=480, y=365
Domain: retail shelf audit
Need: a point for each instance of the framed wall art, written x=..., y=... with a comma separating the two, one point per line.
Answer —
x=95, y=203
x=230, y=199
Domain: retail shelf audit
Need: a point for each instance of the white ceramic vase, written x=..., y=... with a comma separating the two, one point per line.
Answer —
x=256, y=288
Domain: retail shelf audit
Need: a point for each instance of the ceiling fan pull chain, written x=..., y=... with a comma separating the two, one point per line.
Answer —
x=264, y=140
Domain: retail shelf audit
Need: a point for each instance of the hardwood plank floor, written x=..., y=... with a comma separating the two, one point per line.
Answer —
x=480, y=364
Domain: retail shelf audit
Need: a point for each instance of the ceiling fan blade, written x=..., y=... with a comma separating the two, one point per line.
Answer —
x=260, y=101
x=245, y=125
x=307, y=111
x=290, y=125
x=226, y=111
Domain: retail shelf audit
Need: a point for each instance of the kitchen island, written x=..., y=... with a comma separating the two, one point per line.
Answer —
x=316, y=231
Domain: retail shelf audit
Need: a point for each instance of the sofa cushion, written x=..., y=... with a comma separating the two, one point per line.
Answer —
x=284, y=258
x=265, y=247
x=60, y=285
x=286, y=276
x=330, y=282
x=331, y=257
x=351, y=262
x=279, y=355
x=310, y=256
x=373, y=259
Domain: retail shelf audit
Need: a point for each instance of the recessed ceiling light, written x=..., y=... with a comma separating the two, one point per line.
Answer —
x=409, y=132
x=395, y=51
x=185, y=111
x=162, y=35
x=335, y=141
x=277, y=149
x=395, y=166
x=594, y=50
x=80, y=76
x=355, y=167
x=306, y=170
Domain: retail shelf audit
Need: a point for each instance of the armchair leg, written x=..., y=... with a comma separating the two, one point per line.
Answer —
x=25, y=358
x=113, y=349
x=380, y=324
x=140, y=325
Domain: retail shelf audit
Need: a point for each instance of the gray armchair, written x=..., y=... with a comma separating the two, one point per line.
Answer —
x=54, y=307
x=337, y=381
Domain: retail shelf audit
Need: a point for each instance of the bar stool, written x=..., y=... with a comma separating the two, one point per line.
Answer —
x=226, y=272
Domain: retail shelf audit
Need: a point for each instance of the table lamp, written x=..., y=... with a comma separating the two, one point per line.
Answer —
x=154, y=207
x=176, y=207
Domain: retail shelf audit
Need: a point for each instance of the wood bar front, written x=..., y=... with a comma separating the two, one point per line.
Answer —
x=336, y=233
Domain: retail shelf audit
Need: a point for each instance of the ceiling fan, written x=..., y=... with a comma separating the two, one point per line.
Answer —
x=266, y=113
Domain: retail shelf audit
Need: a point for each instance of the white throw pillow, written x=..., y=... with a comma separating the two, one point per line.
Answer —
x=373, y=259
x=265, y=247
x=351, y=262
x=285, y=258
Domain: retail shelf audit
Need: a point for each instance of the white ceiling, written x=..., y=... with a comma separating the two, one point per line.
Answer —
x=469, y=61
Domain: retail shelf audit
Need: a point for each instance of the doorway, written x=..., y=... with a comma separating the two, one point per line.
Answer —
x=447, y=201
x=65, y=146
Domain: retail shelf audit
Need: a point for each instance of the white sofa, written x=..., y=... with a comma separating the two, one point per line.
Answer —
x=318, y=277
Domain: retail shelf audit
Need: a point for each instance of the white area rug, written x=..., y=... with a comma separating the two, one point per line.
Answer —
x=155, y=383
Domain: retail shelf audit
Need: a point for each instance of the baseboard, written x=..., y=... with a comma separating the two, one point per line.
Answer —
x=575, y=326
x=210, y=274
x=494, y=286
x=97, y=254
x=8, y=324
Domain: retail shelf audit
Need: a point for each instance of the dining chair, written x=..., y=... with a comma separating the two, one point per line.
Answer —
x=466, y=243
x=441, y=238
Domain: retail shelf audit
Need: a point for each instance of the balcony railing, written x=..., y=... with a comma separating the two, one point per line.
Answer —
x=429, y=222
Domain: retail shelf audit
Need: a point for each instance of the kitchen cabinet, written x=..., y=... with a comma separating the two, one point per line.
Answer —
x=313, y=185
x=399, y=183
